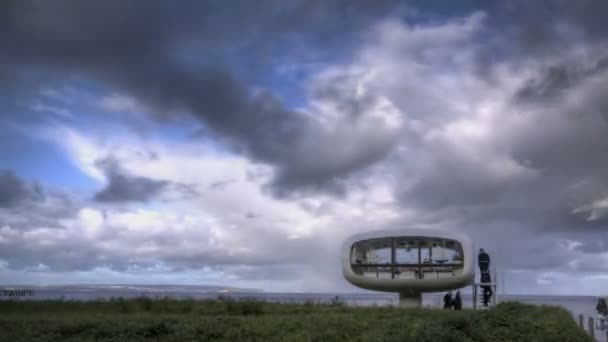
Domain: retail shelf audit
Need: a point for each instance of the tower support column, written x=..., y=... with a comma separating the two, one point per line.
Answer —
x=410, y=299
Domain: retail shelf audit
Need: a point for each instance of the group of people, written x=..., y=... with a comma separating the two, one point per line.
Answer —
x=485, y=280
x=450, y=303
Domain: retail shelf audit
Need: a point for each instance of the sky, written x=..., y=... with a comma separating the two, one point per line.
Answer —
x=239, y=143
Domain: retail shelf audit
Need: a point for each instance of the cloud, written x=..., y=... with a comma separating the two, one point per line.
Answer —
x=514, y=159
x=567, y=23
x=41, y=107
x=472, y=123
x=118, y=103
x=211, y=234
x=153, y=66
x=15, y=191
x=555, y=80
x=122, y=187
x=29, y=205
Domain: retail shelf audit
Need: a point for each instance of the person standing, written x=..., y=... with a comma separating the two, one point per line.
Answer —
x=485, y=278
x=447, y=301
x=483, y=260
x=487, y=294
x=457, y=301
x=601, y=306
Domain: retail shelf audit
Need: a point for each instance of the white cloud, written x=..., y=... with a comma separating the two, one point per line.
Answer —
x=42, y=107
x=90, y=221
x=596, y=210
x=119, y=103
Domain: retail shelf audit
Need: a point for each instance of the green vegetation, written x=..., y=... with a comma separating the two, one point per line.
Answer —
x=190, y=320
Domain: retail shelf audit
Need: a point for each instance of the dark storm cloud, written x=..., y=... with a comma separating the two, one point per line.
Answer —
x=182, y=58
x=27, y=205
x=524, y=31
x=57, y=205
x=123, y=187
x=557, y=79
x=598, y=244
x=544, y=27
x=530, y=29
x=15, y=191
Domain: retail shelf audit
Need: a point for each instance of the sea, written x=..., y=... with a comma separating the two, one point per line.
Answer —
x=576, y=305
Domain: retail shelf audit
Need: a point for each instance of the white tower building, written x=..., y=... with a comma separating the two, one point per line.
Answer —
x=409, y=261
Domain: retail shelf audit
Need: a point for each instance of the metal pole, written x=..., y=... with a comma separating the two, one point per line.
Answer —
x=591, y=327
x=410, y=299
x=581, y=321
x=494, y=293
x=419, y=260
x=474, y=296
x=393, y=257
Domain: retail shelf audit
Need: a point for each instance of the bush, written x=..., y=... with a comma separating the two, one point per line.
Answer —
x=244, y=307
x=251, y=320
x=336, y=301
x=155, y=330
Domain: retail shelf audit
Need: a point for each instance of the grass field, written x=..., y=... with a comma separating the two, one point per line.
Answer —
x=189, y=320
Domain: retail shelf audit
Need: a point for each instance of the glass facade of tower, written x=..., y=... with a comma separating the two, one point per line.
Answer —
x=407, y=258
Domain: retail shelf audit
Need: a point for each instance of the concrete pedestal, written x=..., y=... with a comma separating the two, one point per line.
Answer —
x=410, y=299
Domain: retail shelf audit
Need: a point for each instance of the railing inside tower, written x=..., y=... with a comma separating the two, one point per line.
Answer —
x=407, y=271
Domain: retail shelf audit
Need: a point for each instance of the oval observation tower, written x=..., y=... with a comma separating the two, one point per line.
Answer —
x=409, y=261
